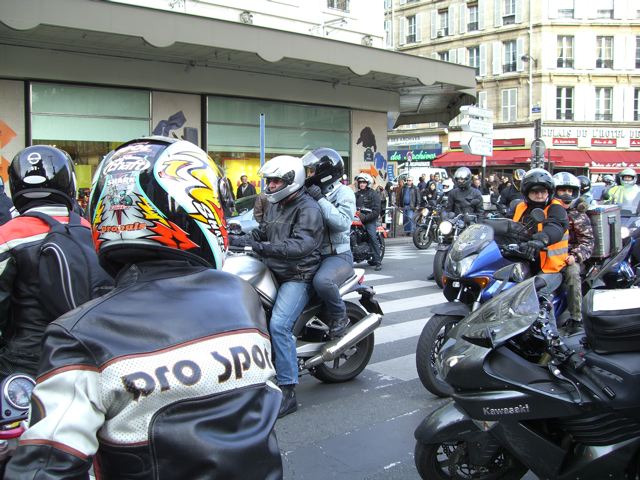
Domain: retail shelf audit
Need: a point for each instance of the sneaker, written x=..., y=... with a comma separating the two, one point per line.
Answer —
x=378, y=267
x=339, y=327
x=289, y=403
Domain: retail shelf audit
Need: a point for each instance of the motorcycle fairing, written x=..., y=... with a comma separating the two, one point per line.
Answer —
x=452, y=309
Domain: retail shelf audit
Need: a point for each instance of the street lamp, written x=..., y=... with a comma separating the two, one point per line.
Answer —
x=530, y=60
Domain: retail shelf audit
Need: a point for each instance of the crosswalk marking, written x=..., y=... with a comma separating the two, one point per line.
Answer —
x=394, y=287
x=399, y=331
x=373, y=277
x=403, y=304
x=402, y=368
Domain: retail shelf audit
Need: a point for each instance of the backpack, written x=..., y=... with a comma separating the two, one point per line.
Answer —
x=68, y=268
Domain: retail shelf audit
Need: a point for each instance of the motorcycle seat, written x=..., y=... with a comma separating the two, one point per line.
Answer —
x=620, y=371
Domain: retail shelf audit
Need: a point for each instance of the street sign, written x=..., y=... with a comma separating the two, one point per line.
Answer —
x=476, y=126
x=538, y=147
x=479, y=146
x=476, y=112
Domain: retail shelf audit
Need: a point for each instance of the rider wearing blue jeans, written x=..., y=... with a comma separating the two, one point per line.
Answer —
x=325, y=168
x=288, y=240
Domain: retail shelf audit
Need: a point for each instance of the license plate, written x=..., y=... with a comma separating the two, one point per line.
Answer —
x=455, y=284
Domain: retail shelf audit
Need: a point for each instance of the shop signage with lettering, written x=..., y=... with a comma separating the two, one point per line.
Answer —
x=603, y=142
x=565, y=141
x=415, y=155
x=590, y=132
x=634, y=142
x=508, y=142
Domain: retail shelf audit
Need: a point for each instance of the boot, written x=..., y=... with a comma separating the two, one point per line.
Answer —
x=339, y=327
x=378, y=267
x=289, y=403
x=571, y=326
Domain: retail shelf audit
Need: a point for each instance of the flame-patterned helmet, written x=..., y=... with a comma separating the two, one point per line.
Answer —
x=157, y=197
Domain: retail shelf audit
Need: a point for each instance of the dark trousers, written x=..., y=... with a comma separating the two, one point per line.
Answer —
x=373, y=241
x=334, y=270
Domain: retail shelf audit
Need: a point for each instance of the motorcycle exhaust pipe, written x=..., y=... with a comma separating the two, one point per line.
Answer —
x=356, y=333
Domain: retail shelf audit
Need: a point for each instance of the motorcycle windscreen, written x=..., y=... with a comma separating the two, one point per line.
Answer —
x=473, y=239
x=503, y=317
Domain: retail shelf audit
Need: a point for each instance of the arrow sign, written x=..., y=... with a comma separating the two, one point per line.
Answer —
x=476, y=112
x=476, y=126
x=479, y=146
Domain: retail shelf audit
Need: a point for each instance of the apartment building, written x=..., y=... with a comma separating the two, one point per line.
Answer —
x=572, y=64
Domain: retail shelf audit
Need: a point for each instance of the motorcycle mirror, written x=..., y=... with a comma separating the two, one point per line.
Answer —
x=485, y=341
x=538, y=215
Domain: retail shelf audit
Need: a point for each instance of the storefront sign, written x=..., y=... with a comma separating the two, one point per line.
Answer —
x=413, y=140
x=591, y=132
x=508, y=142
x=454, y=144
x=565, y=141
x=603, y=142
x=413, y=155
x=634, y=142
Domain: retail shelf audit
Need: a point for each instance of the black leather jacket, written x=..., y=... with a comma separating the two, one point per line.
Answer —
x=166, y=377
x=468, y=200
x=291, y=234
x=368, y=199
x=22, y=318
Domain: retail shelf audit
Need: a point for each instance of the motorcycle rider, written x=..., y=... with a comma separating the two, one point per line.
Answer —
x=511, y=192
x=368, y=199
x=538, y=189
x=586, y=195
x=289, y=240
x=170, y=371
x=627, y=194
x=42, y=179
x=609, y=182
x=581, y=243
x=463, y=198
x=337, y=202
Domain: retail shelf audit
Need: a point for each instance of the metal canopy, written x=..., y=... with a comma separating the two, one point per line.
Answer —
x=428, y=90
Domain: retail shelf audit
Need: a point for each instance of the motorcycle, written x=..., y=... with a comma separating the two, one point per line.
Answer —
x=329, y=360
x=448, y=231
x=426, y=231
x=527, y=399
x=15, y=403
x=359, y=238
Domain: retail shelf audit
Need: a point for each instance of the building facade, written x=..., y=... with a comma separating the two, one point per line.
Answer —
x=574, y=65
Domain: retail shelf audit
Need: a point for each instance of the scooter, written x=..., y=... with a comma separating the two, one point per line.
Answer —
x=525, y=398
x=329, y=360
x=359, y=238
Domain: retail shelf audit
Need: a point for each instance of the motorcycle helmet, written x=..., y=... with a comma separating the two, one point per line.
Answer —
x=157, y=197
x=518, y=175
x=42, y=172
x=627, y=172
x=462, y=178
x=537, y=177
x=324, y=167
x=609, y=180
x=585, y=184
x=364, y=177
x=289, y=170
x=567, y=180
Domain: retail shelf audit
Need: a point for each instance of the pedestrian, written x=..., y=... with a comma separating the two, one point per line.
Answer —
x=260, y=206
x=245, y=189
x=367, y=205
x=475, y=183
x=422, y=184
x=409, y=201
x=167, y=376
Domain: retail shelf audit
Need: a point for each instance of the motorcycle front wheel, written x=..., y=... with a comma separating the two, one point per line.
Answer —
x=352, y=361
x=421, y=238
x=449, y=460
x=438, y=266
x=431, y=340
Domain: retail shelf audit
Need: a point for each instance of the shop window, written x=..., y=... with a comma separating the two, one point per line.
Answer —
x=87, y=122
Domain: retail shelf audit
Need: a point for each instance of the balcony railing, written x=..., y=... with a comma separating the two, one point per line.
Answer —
x=411, y=38
x=509, y=19
x=472, y=26
x=565, y=62
x=603, y=116
x=509, y=67
x=604, y=63
x=564, y=115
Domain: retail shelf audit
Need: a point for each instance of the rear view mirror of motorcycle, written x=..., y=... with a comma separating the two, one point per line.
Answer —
x=538, y=215
x=485, y=339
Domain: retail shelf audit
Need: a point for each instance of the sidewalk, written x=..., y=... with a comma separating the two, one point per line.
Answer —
x=399, y=240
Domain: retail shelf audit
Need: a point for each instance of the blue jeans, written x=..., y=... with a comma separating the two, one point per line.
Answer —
x=334, y=270
x=407, y=214
x=291, y=300
x=373, y=241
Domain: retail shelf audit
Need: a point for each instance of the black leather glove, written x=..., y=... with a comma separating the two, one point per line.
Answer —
x=261, y=248
x=315, y=192
x=236, y=241
x=532, y=248
x=542, y=237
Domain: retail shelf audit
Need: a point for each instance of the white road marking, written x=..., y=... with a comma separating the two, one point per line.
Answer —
x=402, y=368
x=421, y=301
x=393, y=287
x=399, y=331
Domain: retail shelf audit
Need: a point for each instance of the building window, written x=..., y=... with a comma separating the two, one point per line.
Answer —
x=636, y=104
x=565, y=51
x=388, y=40
x=339, y=4
x=509, y=49
x=604, y=9
x=444, y=56
x=388, y=4
x=443, y=23
x=474, y=58
x=473, y=17
x=411, y=29
x=637, y=52
x=564, y=103
x=510, y=105
x=509, y=16
x=603, y=103
x=565, y=8
x=604, y=47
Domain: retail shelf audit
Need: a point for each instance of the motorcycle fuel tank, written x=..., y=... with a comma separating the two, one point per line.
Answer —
x=256, y=273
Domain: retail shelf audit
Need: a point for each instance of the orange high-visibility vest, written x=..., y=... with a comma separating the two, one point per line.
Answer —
x=553, y=260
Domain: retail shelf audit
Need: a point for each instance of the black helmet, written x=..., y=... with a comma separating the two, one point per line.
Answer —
x=537, y=177
x=462, y=178
x=518, y=175
x=585, y=184
x=323, y=167
x=42, y=172
x=156, y=198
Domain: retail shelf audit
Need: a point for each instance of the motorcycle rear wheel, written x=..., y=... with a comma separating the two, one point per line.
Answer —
x=382, y=245
x=438, y=266
x=448, y=461
x=430, y=343
x=421, y=238
x=350, y=363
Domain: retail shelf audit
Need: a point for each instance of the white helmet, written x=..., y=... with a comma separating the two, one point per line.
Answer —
x=364, y=177
x=287, y=168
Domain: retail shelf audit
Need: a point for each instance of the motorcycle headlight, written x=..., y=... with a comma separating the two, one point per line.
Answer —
x=459, y=269
x=624, y=232
x=445, y=227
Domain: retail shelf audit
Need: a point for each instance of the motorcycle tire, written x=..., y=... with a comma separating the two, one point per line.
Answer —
x=436, y=462
x=430, y=343
x=421, y=238
x=382, y=245
x=353, y=361
x=438, y=266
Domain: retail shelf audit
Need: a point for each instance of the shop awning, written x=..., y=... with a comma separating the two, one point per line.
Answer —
x=201, y=53
x=499, y=158
x=607, y=161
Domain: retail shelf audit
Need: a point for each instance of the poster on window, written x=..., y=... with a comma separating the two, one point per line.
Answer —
x=176, y=115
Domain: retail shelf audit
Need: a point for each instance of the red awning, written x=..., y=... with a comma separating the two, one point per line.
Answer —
x=569, y=158
x=499, y=158
x=608, y=161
